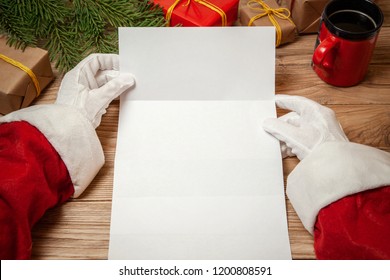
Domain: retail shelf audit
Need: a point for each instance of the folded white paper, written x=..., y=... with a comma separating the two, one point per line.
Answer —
x=196, y=177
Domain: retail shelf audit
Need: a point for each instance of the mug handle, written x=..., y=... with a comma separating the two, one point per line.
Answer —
x=322, y=51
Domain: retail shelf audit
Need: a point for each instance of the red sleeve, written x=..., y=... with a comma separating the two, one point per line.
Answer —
x=33, y=178
x=355, y=227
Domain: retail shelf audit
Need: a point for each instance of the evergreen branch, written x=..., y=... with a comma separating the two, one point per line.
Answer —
x=62, y=48
x=146, y=14
x=12, y=22
x=45, y=12
x=115, y=13
x=71, y=29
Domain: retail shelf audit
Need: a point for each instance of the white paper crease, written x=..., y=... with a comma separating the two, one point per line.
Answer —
x=196, y=177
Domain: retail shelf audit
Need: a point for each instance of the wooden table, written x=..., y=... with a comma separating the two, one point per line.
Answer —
x=79, y=229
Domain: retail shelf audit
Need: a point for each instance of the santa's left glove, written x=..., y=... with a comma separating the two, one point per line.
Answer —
x=331, y=167
x=69, y=124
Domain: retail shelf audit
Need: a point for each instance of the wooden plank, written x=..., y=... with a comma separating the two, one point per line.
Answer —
x=76, y=230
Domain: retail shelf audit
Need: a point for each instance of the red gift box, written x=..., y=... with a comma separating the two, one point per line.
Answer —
x=199, y=12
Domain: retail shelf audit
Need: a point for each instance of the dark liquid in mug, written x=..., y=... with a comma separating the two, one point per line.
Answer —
x=352, y=21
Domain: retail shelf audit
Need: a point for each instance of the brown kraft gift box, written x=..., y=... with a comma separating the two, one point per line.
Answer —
x=17, y=89
x=306, y=14
x=288, y=29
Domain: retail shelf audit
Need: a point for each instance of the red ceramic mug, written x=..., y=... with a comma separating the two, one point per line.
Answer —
x=346, y=40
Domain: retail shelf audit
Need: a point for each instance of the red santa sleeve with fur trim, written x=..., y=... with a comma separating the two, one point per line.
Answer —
x=33, y=178
x=355, y=227
x=341, y=193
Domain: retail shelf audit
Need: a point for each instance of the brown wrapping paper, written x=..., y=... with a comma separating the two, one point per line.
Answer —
x=285, y=3
x=288, y=29
x=306, y=14
x=16, y=87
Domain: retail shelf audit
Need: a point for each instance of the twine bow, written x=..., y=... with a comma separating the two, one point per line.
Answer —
x=205, y=3
x=266, y=10
x=25, y=69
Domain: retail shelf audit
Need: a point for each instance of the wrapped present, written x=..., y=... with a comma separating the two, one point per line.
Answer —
x=199, y=12
x=306, y=14
x=285, y=3
x=268, y=13
x=23, y=75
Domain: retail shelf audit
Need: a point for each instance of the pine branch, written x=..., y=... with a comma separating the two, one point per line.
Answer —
x=71, y=29
x=62, y=47
x=115, y=13
x=44, y=13
x=13, y=23
x=146, y=14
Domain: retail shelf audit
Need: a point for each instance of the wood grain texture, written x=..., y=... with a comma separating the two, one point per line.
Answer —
x=79, y=229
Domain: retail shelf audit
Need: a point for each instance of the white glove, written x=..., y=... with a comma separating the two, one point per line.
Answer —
x=69, y=124
x=305, y=128
x=93, y=84
x=332, y=167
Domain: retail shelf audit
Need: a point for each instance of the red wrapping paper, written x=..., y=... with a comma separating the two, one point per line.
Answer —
x=196, y=14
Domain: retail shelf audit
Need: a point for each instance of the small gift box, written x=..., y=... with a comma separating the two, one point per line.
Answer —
x=268, y=13
x=285, y=3
x=306, y=14
x=23, y=75
x=199, y=12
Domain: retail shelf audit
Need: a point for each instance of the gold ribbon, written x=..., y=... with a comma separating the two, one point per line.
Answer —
x=25, y=69
x=266, y=10
x=205, y=3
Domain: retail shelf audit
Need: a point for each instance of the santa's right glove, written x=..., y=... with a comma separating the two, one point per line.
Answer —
x=69, y=124
x=340, y=190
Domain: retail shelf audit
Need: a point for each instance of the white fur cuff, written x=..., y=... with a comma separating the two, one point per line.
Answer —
x=332, y=171
x=73, y=137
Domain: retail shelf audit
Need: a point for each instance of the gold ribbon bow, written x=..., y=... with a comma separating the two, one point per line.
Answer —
x=201, y=2
x=25, y=69
x=266, y=10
